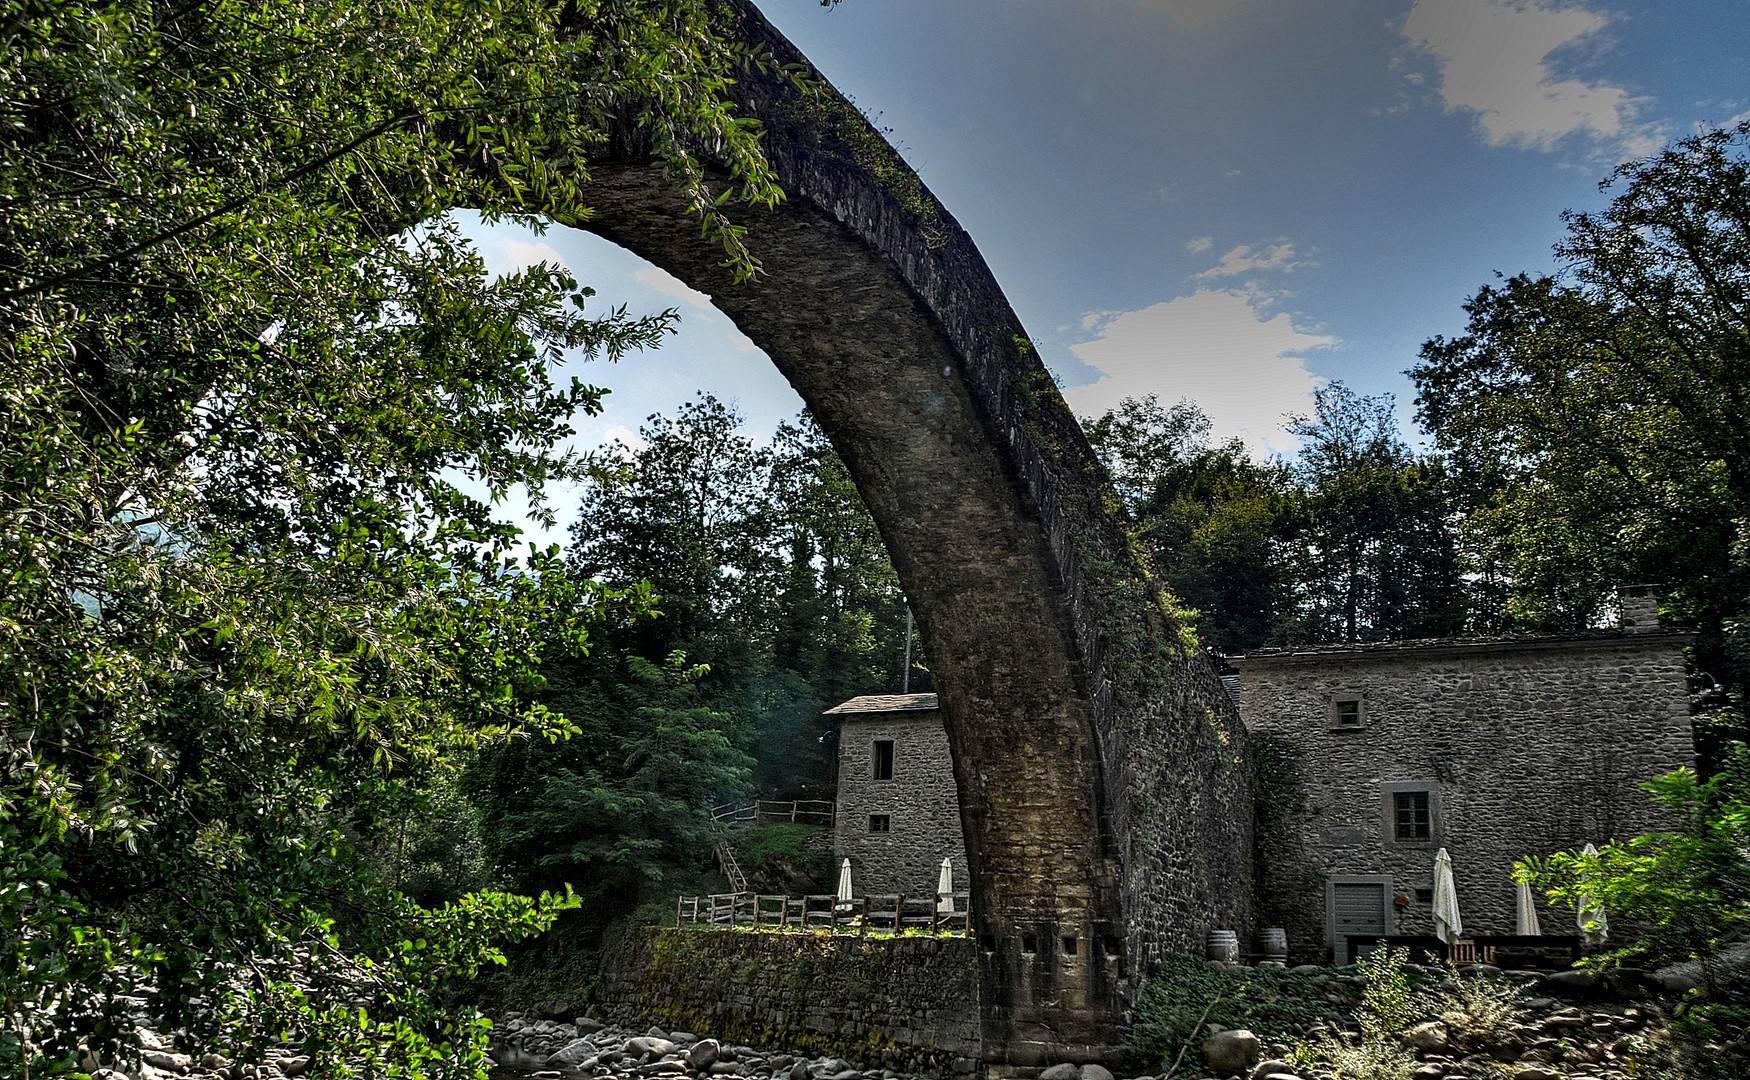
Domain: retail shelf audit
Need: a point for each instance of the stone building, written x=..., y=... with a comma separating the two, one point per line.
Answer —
x=1369, y=758
x=898, y=809
x=1373, y=757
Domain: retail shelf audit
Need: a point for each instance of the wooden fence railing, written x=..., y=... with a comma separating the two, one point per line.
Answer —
x=773, y=811
x=890, y=913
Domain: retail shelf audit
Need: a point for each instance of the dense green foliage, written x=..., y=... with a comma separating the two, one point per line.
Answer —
x=767, y=569
x=1274, y=1003
x=244, y=614
x=1351, y=542
x=1602, y=413
x=1687, y=890
x=772, y=600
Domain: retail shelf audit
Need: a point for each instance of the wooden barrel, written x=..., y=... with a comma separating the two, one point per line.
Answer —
x=1224, y=946
x=1273, y=943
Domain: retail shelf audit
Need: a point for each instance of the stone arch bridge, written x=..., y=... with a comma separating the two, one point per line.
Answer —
x=1101, y=767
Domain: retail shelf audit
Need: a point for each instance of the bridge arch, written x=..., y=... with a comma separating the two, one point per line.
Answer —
x=1101, y=769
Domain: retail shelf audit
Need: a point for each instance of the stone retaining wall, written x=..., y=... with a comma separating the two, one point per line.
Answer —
x=910, y=1004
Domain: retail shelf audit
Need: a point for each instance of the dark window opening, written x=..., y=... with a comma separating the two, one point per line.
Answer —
x=1411, y=819
x=1069, y=946
x=1349, y=713
x=1424, y=896
x=1030, y=943
x=880, y=823
x=1112, y=947
x=987, y=942
x=881, y=760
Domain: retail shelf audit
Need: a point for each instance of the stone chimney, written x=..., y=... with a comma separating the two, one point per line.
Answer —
x=1639, y=607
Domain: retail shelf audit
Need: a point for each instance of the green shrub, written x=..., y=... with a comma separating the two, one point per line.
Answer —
x=1388, y=1003
x=1481, y=1010
x=1333, y=1058
x=1272, y=1003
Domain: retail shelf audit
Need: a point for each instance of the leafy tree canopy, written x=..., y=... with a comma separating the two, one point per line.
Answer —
x=1605, y=412
x=244, y=614
x=1351, y=542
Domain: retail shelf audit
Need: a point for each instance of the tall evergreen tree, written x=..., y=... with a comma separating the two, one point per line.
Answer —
x=1376, y=559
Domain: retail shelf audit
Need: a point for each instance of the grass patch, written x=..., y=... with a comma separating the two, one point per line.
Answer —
x=757, y=843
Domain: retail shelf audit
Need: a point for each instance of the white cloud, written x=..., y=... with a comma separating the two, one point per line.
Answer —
x=1494, y=58
x=625, y=436
x=504, y=254
x=1245, y=259
x=1201, y=243
x=667, y=284
x=1216, y=348
x=1193, y=12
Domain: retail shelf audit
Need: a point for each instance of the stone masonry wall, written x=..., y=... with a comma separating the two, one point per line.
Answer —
x=910, y=1004
x=1526, y=747
x=920, y=801
x=1185, y=832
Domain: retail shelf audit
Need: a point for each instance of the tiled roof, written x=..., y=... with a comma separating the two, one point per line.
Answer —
x=1664, y=635
x=879, y=703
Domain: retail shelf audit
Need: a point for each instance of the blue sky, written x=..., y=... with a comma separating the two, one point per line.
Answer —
x=1230, y=201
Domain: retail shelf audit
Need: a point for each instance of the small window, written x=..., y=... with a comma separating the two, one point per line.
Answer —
x=880, y=823
x=1069, y=946
x=1424, y=896
x=1411, y=817
x=881, y=760
x=1114, y=948
x=1348, y=712
x=1030, y=944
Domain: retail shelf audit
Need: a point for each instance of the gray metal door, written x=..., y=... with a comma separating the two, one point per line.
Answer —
x=1358, y=909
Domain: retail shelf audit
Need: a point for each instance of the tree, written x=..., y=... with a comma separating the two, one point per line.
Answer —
x=1376, y=559
x=244, y=614
x=1217, y=522
x=1688, y=888
x=621, y=807
x=766, y=568
x=685, y=513
x=1352, y=542
x=1606, y=407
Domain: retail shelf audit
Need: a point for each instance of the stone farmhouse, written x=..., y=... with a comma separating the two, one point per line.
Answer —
x=1368, y=759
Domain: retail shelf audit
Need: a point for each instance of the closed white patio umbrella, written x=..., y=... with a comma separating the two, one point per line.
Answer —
x=843, y=899
x=1448, y=927
x=945, y=888
x=1589, y=913
x=1526, y=924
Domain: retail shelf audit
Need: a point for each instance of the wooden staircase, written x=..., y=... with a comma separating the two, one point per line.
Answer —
x=731, y=868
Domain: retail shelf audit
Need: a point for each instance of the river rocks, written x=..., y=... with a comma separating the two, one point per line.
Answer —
x=704, y=1053
x=1230, y=1052
x=1577, y=983
x=1096, y=1072
x=1271, y=1067
x=164, y=1059
x=572, y=1054
x=1430, y=1036
x=1061, y=1072
x=656, y=1045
